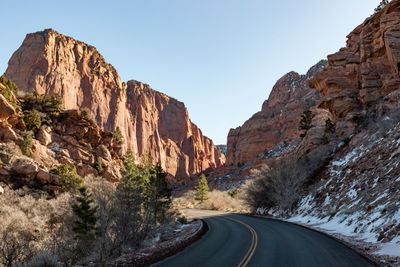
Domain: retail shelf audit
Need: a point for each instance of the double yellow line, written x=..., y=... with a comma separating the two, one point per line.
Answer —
x=253, y=245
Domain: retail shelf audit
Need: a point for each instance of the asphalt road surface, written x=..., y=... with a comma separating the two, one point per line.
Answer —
x=240, y=240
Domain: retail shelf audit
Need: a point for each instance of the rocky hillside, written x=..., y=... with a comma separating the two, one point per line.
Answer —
x=49, y=62
x=278, y=120
x=37, y=136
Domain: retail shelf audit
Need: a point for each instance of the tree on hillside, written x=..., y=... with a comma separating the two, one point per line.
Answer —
x=85, y=213
x=381, y=5
x=160, y=194
x=306, y=122
x=127, y=204
x=118, y=136
x=84, y=228
x=201, y=189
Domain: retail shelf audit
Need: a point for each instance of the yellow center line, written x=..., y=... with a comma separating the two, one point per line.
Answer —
x=253, y=246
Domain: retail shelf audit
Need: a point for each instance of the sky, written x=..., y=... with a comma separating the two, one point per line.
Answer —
x=220, y=57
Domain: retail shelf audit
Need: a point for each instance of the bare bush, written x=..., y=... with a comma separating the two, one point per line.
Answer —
x=30, y=223
x=218, y=200
x=276, y=186
x=43, y=259
x=222, y=201
x=15, y=243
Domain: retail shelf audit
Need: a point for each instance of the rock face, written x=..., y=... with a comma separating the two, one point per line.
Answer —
x=362, y=79
x=48, y=62
x=278, y=119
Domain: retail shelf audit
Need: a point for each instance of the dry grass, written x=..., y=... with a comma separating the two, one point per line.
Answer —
x=218, y=200
x=30, y=223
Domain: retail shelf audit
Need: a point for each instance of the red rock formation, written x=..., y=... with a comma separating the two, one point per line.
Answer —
x=277, y=121
x=48, y=62
x=362, y=79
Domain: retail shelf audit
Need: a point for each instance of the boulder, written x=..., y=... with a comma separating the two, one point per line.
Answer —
x=84, y=170
x=6, y=109
x=47, y=178
x=1, y=190
x=7, y=134
x=25, y=168
x=44, y=135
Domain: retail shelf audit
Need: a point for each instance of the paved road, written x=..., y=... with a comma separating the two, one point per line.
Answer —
x=240, y=240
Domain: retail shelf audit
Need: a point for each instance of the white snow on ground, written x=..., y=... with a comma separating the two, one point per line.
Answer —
x=392, y=249
x=362, y=209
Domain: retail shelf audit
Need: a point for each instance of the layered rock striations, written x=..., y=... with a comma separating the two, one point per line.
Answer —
x=48, y=62
x=278, y=119
x=362, y=79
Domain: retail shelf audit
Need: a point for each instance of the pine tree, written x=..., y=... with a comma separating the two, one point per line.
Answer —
x=161, y=194
x=201, y=189
x=85, y=213
x=127, y=204
x=306, y=122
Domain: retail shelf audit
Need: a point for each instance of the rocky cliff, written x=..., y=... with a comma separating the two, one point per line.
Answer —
x=278, y=119
x=48, y=62
x=362, y=79
x=62, y=137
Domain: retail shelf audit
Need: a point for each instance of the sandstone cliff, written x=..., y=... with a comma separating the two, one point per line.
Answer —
x=48, y=62
x=277, y=121
x=362, y=79
x=64, y=137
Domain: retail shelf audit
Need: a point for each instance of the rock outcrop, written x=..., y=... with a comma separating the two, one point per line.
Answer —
x=362, y=79
x=48, y=62
x=278, y=119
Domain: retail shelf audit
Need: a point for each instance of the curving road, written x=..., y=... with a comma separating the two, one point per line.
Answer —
x=240, y=240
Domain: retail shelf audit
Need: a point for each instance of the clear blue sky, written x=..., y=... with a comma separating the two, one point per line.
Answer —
x=220, y=57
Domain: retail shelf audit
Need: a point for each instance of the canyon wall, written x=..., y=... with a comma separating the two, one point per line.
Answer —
x=278, y=119
x=362, y=79
x=48, y=62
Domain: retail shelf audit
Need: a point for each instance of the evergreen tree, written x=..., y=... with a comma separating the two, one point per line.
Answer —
x=161, y=194
x=201, y=189
x=85, y=213
x=306, y=122
x=381, y=5
x=127, y=204
x=118, y=136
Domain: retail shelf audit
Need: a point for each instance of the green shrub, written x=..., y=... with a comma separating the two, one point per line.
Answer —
x=381, y=5
x=85, y=112
x=118, y=136
x=10, y=91
x=69, y=179
x=26, y=145
x=99, y=165
x=46, y=103
x=234, y=193
x=32, y=120
x=306, y=122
